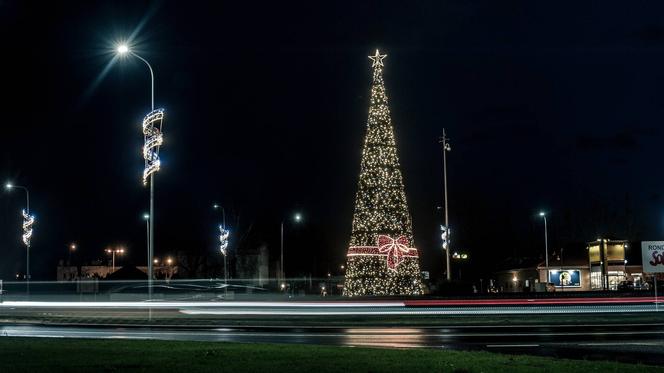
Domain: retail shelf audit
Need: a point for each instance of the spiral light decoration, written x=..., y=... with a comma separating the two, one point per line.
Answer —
x=153, y=138
x=223, y=240
x=28, y=221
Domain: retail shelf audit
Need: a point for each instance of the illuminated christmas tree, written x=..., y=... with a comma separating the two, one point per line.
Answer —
x=382, y=258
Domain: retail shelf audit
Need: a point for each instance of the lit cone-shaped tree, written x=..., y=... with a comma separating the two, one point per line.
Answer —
x=382, y=258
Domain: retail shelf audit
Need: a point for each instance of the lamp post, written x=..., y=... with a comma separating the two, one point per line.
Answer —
x=546, y=246
x=445, y=141
x=72, y=247
x=118, y=251
x=459, y=257
x=146, y=217
x=297, y=218
x=28, y=221
x=153, y=138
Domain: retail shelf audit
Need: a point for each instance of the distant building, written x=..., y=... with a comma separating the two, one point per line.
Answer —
x=603, y=265
x=84, y=272
x=254, y=265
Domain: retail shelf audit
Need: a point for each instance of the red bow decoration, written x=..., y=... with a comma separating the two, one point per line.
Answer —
x=395, y=249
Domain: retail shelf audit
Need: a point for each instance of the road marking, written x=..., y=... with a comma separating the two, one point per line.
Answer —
x=499, y=346
x=621, y=344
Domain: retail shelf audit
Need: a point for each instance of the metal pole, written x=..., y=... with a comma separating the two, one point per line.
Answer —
x=147, y=235
x=113, y=261
x=223, y=222
x=656, y=304
x=27, y=251
x=151, y=240
x=282, y=251
x=447, y=227
x=546, y=249
x=151, y=79
x=151, y=221
x=27, y=247
x=562, y=268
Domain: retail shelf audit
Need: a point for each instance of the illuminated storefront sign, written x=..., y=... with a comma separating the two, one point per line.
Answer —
x=652, y=254
x=565, y=278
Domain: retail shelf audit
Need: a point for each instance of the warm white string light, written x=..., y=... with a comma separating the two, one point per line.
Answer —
x=153, y=138
x=382, y=258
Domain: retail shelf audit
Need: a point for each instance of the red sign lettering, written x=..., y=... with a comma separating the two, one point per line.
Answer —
x=657, y=258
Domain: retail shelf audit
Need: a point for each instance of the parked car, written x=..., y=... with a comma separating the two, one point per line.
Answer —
x=626, y=286
x=642, y=286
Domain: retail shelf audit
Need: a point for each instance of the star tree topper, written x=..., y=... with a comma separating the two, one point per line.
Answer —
x=377, y=59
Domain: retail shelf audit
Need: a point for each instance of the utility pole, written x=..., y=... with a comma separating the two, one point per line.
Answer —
x=444, y=140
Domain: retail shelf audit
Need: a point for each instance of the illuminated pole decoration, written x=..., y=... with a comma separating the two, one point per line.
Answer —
x=382, y=258
x=446, y=236
x=28, y=222
x=224, y=234
x=153, y=139
x=223, y=247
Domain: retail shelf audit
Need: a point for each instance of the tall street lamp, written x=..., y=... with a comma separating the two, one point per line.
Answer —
x=146, y=217
x=153, y=139
x=445, y=142
x=118, y=251
x=28, y=221
x=460, y=257
x=546, y=246
x=72, y=247
x=297, y=217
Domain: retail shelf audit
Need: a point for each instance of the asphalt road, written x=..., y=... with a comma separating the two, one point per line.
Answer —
x=634, y=343
x=608, y=329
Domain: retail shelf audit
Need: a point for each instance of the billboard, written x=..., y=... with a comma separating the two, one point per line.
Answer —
x=652, y=254
x=565, y=278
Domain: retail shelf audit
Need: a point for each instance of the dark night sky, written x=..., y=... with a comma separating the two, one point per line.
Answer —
x=549, y=105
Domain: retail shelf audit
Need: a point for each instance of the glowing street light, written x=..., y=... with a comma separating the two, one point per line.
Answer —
x=28, y=221
x=146, y=217
x=119, y=251
x=546, y=245
x=72, y=247
x=153, y=139
x=297, y=217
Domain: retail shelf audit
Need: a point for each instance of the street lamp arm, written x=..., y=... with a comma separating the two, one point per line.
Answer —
x=151, y=77
x=27, y=196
